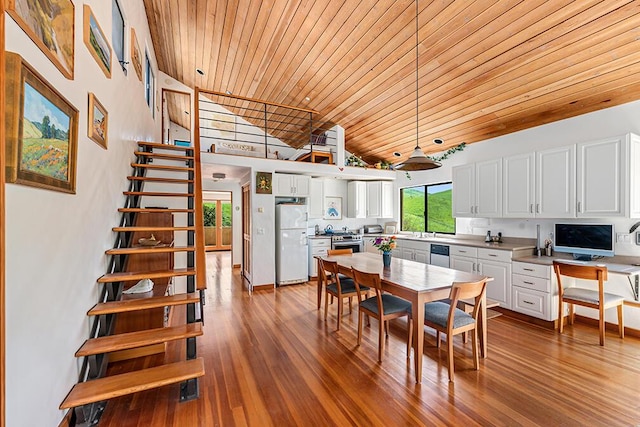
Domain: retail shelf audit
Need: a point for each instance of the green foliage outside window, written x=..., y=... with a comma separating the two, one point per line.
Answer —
x=210, y=214
x=432, y=213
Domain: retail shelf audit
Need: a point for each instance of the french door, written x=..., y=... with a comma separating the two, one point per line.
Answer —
x=217, y=224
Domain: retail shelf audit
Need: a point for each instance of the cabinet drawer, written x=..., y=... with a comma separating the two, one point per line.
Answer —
x=320, y=243
x=529, y=282
x=535, y=270
x=465, y=251
x=322, y=252
x=530, y=302
x=494, y=255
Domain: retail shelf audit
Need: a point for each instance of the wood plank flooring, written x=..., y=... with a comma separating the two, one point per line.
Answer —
x=271, y=360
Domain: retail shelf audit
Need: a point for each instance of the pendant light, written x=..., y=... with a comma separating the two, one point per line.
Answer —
x=417, y=161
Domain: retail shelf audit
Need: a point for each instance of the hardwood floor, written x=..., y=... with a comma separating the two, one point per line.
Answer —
x=271, y=360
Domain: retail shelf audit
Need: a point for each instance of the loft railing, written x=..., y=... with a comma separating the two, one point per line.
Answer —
x=230, y=124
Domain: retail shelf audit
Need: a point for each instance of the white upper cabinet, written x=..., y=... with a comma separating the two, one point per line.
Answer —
x=633, y=188
x=316, y=198
x=477, y=189
x=555, y=183
x=518, y=185
x=600, y=183
x=357, y=199
x=291, y=185
x=379, y=199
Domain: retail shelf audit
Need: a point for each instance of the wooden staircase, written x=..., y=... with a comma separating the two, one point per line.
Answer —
x=88, y=397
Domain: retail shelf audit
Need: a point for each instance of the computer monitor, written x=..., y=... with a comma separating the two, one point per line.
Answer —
x=584, y=241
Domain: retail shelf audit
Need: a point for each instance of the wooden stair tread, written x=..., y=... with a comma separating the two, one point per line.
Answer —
x=126, y=276
x=132, y=382
x=147, y=210
x=163, y=146
x=160, y=179
x=136, y=304
x=154, y=193
x=151, y=228
x=161, y=167
x=137, y=339
x=149, y=250
x=162, y=155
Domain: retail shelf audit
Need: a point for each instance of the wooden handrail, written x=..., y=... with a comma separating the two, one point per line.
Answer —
x=201, y=260
x=2, y=223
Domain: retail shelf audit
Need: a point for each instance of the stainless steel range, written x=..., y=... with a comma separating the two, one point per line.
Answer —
x=346, y=240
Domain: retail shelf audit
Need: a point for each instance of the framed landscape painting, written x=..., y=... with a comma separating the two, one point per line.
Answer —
x=96, y=42
x=97, y=122
x=41, y=128
x=50, y=24
x=136, y=58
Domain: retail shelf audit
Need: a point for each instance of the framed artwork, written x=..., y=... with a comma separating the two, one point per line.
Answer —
x=136, y=58
x=96, y=42
x=52, y=32
x=263, y=183
x=98, y=122
x=42, y=130
x=332, y=208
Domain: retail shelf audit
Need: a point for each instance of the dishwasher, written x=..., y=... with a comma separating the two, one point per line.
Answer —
x=439, y=255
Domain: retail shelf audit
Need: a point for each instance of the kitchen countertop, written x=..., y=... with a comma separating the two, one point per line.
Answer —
x=616, y=264
x=509, y=244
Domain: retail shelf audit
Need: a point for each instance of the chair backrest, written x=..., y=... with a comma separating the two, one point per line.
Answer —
x=332, y=268
x=585, y=272
x=347, y=251
x=371, y=280
x=467, y=290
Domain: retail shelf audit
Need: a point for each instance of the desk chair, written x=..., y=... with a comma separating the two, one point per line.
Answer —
x=445, y=317
x=383, y=307
x=337, y=286
x=599, y=300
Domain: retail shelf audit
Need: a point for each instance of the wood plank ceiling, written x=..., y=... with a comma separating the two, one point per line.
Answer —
x=486, y=67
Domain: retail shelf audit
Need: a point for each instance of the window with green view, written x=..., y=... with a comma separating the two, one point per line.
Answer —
x=427, y=208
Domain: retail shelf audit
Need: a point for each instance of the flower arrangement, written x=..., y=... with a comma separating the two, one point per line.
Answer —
x=384, y=244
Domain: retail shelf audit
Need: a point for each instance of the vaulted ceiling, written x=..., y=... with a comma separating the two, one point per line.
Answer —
x=486, y=67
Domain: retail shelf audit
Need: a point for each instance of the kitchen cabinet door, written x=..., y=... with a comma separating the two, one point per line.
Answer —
x=518, y=186
x=463, y=264
x=499, y=289
x=555, y=183
x=464, y=190
x=288, y=185
x=316, y=197
x=357, y=199
x=600, y=178
x=488, y=189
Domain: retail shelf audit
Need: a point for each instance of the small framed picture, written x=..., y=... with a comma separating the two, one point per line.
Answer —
x=96, y=42
x=332, y=208
x=263, y=183
x=98, y=122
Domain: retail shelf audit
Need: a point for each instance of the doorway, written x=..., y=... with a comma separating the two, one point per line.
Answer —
x=218, y=221
x=176, y=117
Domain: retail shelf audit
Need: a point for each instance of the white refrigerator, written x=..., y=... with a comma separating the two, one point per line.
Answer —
x=292, y=249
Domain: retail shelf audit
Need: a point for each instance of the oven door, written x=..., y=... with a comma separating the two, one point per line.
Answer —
x=346, y=244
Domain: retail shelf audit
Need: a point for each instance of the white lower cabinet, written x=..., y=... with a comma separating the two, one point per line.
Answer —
x=318, y=246
x=415, y=251
x=533, y=290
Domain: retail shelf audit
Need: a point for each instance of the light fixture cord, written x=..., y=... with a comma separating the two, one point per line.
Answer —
x=417, y=110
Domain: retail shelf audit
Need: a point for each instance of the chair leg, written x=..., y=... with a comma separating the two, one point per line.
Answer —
x=437, y=339
x=601, y=326
x=571, y=314
x=381, y=327
x=340, y=304
x=450, y=356
x=359, y=326
x=474, y=343
x=465, y=337
x=560, y=316
x=410, y=337
x=350, y=308
x=386, y=328
x=620, y=321
x=326, y=306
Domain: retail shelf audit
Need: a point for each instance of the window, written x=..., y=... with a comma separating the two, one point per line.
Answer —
x=118, y=33
x=427, y=208
x=149, y=78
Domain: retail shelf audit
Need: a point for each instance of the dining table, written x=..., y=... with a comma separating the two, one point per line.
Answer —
x=416, y=282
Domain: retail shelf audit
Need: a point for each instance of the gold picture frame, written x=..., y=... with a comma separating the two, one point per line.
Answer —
x=98, y=122
x=53, y=33
x=264, y=183
x=96, y=41
x=41, y=130
x=136, y=57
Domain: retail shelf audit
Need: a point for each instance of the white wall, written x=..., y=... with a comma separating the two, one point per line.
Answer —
x=56, y=241
x=597, y=125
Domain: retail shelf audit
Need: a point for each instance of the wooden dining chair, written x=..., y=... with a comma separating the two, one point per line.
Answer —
x=381, y=306
x=337, y=286
x=346, y=251
x=599, y=300
x=447, y=318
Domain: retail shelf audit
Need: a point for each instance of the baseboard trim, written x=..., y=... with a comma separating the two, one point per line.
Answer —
x=265, y=287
